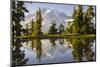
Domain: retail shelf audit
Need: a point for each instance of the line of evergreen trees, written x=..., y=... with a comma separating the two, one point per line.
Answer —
x=54, y=30
x=37, y=24
x=82, y=24
x=83, y=21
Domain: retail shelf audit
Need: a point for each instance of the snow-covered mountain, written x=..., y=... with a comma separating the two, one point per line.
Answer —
x=48, y=15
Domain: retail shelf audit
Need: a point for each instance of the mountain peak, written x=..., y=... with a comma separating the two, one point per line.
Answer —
x=49, y=14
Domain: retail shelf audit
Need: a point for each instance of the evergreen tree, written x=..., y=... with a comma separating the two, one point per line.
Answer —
x=83, y=21
x=76, y=25
x=88, y=18
x=32, y=27
x=85, y=29
x=74, y=12
x=18, y=10
x=61, y=29
x=53, y=29
x=37, y=24
x=69, y=28
x=27, y=30
x=78, y=20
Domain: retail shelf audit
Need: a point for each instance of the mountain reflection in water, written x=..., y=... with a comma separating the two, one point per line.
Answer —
x=41, y=51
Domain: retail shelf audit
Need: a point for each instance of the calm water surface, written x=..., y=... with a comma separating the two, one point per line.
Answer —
x=41, y=51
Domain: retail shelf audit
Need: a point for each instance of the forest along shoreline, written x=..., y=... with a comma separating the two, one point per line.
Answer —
x=81, y=26
x=56, y=36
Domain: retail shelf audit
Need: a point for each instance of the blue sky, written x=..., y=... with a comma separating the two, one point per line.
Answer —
x=68, y=9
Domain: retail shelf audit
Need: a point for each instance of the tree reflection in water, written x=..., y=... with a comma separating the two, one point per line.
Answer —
x=88, y=48
x=18, y=56
x=82, y=48
x=53, y=42
x=61, y=41
x=36, y=43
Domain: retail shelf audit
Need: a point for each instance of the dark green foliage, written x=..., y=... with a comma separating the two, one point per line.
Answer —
x=32, y=23
x=82, y=47
x=69, y=29
x=74, y=12
x=77, y=49
x=61, y=41
x=27, y=30
x=61, y=29
x=88, y=18
x=76, y=25
x=53, y=29
x=82, y=23
x=37, y=24
x=53, y=42
x=78, y=20
x=18, y=10
x=18, y=56
x=36, y=43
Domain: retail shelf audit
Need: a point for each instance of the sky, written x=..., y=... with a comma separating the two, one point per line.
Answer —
x=66, y=8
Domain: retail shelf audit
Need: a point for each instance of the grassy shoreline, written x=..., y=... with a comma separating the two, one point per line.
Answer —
x=59, y=36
